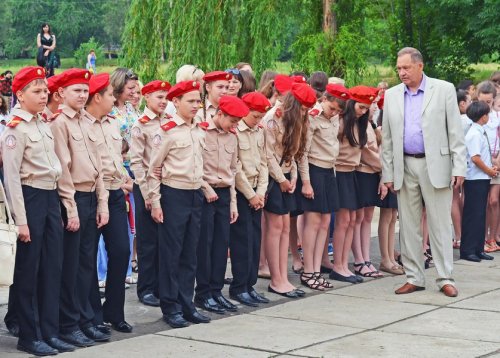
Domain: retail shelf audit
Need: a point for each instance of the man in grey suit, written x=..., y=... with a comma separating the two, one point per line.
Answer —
x=423, y=157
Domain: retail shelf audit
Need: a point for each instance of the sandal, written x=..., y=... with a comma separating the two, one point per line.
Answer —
x=135, y=267
x=377, y=273
x=395, y=270
x=325, y=283
x=310, y=280
x=359, y=273
x=297, y=271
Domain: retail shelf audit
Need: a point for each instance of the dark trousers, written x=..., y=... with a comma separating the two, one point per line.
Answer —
x=34, y=295
x=474, y=216
x=179, y=235
x=244, y=246
x=147, y=247
x=79, y=265
x=116, y=240
x=213, y=245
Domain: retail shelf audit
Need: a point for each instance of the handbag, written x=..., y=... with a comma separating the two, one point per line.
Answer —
x=8, y=242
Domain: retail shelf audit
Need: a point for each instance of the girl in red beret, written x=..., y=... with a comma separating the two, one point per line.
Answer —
x=216, y=85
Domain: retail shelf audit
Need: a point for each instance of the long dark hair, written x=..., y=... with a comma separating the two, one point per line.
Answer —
x=294, y=138
x=248, y=84
x=349, y=120
x=41, y=29
x=4, y=107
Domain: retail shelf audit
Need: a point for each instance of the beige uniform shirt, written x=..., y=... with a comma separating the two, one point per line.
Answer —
x=349, y=157
x=220, y=159
x=322, y=144
x=47, y=114
x=178, y=151
x=76, y=148
x=370, y=157
x=110, y=148
x=273, y=134
x=142, y=135
x=28, y=159
x=210, y=111
x=252, y=175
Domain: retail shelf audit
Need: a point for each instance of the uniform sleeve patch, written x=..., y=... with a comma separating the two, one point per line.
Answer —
x=157, y=140
x=10, y=141
x=136, y=132
x=271, y=124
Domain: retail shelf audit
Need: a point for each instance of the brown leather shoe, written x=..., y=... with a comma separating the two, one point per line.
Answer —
x=449, y=290
x=408, y=288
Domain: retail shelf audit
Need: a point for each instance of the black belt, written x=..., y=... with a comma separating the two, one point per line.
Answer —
x=416, y=155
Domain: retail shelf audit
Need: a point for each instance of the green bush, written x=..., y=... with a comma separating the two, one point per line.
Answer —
x=81, y=54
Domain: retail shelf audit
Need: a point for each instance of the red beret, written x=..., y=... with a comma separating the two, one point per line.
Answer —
x=298, y=79
x=256, y=101
x=380, y=102
x=217, y=76
x=233, y=106
x=337, y=90
x=154, y=86
x=53, y=83
x=304, y=94
x=182, y=88
x=25, y=76
x=98, y=82
x=362, y=94
x=74, y=76
x=283, y=83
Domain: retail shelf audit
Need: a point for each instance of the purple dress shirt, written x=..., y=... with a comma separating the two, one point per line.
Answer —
x=413, y=139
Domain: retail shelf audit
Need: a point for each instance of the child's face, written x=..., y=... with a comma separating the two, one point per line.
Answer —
x=34, y=98
x=157, y=101
x=188, y=105
x=216, y=90
x=226, y=122
x=253, y=118
x=483, y=120
x=486, y=98
x=108, y=100
x=75, y=96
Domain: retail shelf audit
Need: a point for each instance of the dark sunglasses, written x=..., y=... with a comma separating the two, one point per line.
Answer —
x=233, y=71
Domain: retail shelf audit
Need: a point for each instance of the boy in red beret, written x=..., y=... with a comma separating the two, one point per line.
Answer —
x=32, y=171
x=54, y=98
x=176, y=201
x=219, y=207
x=142, y=134
x=115, y=233
x=84, y=208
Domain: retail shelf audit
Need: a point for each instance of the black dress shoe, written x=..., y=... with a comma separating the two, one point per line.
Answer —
x=13, y=328
x=77, y=338
x=245, y=299
x=209, y=304
x=197, y=317
x=38, y=348
x=258, y=297
x=289, y=294
x=96, y=335
x=324, y=269
x=60, y=345
x=338, y=277
x=485, y=256
x=150, y=300
x=473, y=258
x=175, y=320
x=299, y=292
x=225, y=303
x=122, y=326
x=358, y=279
x=103, y=328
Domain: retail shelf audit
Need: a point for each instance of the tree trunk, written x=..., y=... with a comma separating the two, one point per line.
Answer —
x=329, y=17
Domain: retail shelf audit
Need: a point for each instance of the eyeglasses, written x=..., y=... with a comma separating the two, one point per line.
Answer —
x=131, y=75
x=233, y=71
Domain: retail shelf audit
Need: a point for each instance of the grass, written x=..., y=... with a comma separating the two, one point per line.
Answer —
x=374, y=74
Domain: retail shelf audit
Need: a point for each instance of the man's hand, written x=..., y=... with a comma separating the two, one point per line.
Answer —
x=157, y=215
x=457, y=182
x=73, y=224
x=102, y=219
x=24, y=233
x=234, y=217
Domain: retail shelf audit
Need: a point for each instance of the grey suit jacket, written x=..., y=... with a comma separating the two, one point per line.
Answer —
x=445, y=152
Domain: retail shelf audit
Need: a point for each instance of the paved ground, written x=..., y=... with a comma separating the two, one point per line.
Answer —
x=364, y=320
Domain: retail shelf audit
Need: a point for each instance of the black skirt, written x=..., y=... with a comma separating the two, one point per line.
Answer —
x=390, y=201
x=326, y=196
x=298, y=200
x=367, y=189
x=277, y=202
x=348, y=190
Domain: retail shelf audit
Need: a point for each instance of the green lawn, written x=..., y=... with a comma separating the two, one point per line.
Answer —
x=375, y=73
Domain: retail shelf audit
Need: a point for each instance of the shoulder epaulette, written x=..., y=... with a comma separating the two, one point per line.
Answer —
x=232, y=130
x=44, y=116
x=203, y=125
x=144, y=119
x=278, y=113
x=260, y=125
x=14, y=122
x=314, y=112
x=168, y=116
x=168, y=126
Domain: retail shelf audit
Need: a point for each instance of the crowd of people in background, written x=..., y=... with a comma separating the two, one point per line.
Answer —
x=169, y=180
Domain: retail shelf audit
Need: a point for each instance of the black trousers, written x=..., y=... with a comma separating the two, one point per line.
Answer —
x=474, y=216
x=116, y=240
x=179, y=235
x=147, y=247
x=213, y=245
x=79, y=265
x=34, y=295
x=244, y=246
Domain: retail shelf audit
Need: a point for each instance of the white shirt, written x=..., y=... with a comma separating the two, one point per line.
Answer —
x=466, y=123
x=477, y=144
x=491, y=129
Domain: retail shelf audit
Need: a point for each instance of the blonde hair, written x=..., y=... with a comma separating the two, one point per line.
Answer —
x=336, y=80
x=189, y=73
